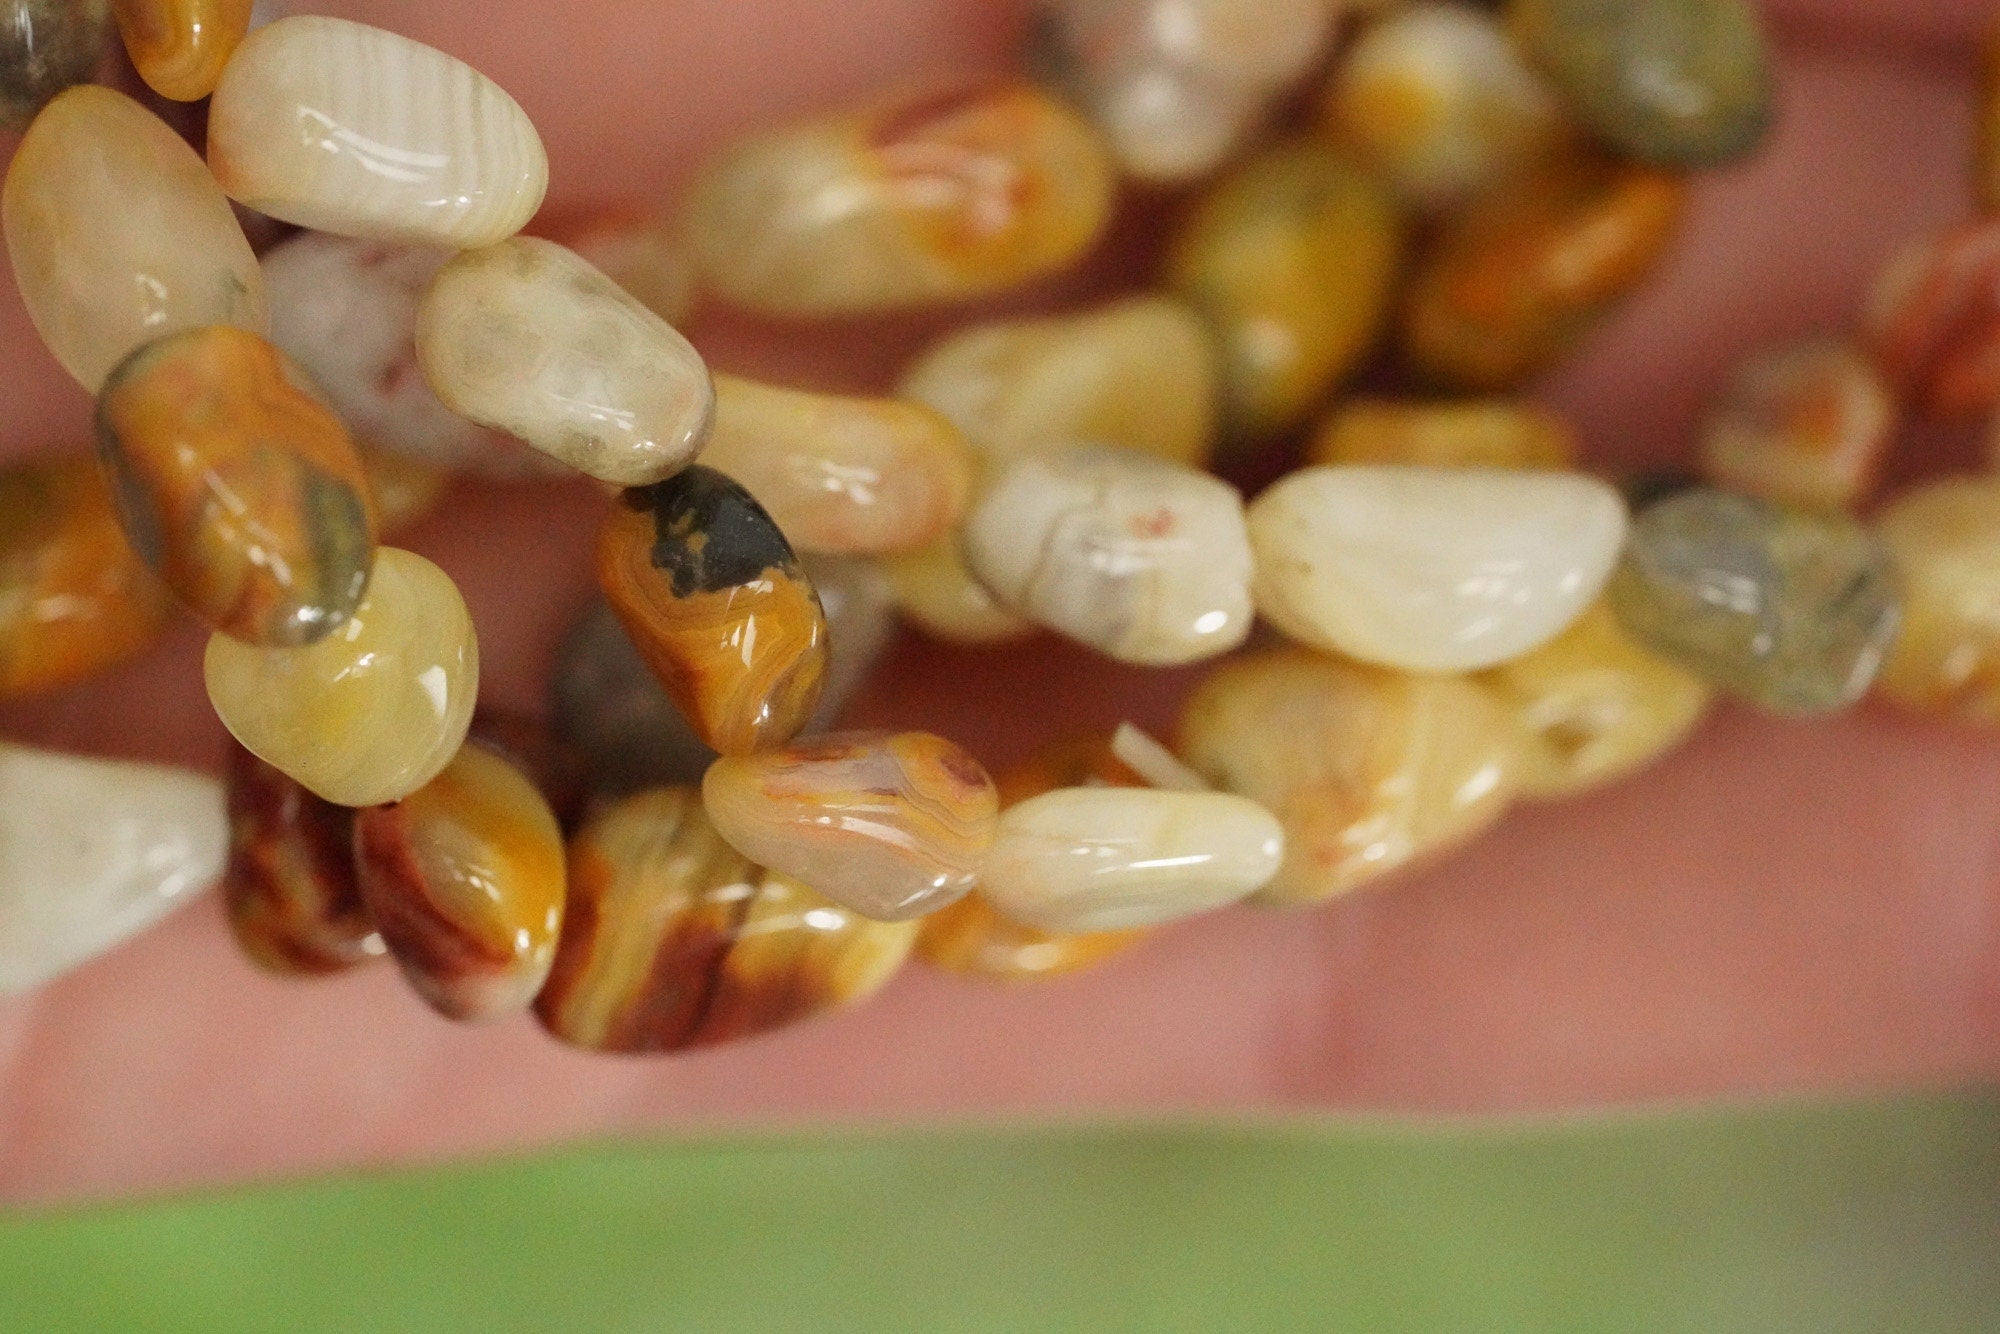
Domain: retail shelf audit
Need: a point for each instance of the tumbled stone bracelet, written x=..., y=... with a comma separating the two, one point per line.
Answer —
x=667, y=864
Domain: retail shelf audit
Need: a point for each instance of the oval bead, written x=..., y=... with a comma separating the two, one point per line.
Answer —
x=95, y=285
x=1932, y=322
x=465, y=877
x=290, y=887
x=1945, y=540
x=674, y=941
x=372, y=712
x=237, y=486
x=1594, y=706
x=179, y=47
x=92, y=852
x=860, y=476
x=75, y=599
x=1141, y=559
x=350, y=129
x=935, y=591
x=1141, y=372
x=891, y=825
x=1293, y=258
x=1480, y=433
x=720, y=607
x=1432, y=569
x=526, y=337
x=1365, y=768
x=45, y=47
x=1789, y=609
x=1683, y=83
x=1517, y=277
x=1806, y=423
x=644, y=255
x=921, y=199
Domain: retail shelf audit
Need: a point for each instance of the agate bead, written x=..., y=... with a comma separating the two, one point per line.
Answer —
x=1480, y=433
x=1945, y=540
x=45, y=47
x=672, y=940
x=466, y=880
x=180, y=47
x=1806, y=423
x=238, y=486
x=921, y=199
x=350, y=129
x=937, y=593
x=119, y=236
x=526, y=337
x=719, y=605
x=1789, y=609
x=891, y=825
x=372, y=712
x=1933, y=322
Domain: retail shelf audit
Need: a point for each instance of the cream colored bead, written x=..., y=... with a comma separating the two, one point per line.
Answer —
x=1113, y=858
x=118, y=234
x=1366, y=768
x=527, y=338
x=1432, y=569
x=1141, y=559
x=346, y=128
x=1945, y=539
x=1594, y=706
x=865, y=476
x=92, y=852
x=371, y=713
x=1141, y=372
x=935, y=590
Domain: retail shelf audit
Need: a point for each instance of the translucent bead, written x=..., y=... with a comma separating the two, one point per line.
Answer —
x=93, y=852
x=526, y=337
x=1140, y=372
x=404, y=490
x=372, y=712
x=238, y=486
x=859, y=476
x=1594, y=706
x=1514, y=280
x=346, y=128
x=96, y=285
x=45, y=47
x=1945, y=540
x=1432, y=569
x=1437, y=100
x=718, y=604
x=938, y=594
x=1365, y=768
x=466, y=879
x=1682, y=83
x=1789, y=609
x=1933, y=322
x=674, y=941
x=1144, y=560
x=290, y=887
x=642, y=254
x=891, y=825
x=75, y=599
x=1480, y=433
x=180, y=46
x=917, y=200
x=1805, y=423
x=1293, y=259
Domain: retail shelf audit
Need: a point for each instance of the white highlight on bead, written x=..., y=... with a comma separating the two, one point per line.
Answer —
x=1154, y=762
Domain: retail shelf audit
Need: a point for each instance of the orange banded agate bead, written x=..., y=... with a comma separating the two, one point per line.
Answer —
x=180, y=46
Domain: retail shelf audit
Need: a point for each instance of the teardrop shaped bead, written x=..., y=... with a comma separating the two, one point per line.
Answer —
x=1141, y=559
x=179, y=47
x=75, y=599
x=893, y=825
x=936, y=592
x=375, y=710
x=238, y=486
x=917, y=200
x=713, y=596
x=47, y=46
x=674, y=941
x=1293, y=258
x=290, y=887
x=466, y=879
x=95, y=285
x=1788, y=609
x=1141, y=372
x=92, y=852
x=1367, y=769
x=350, y=129
x=642, y=253
x=1472, y=433
x=527, y=338
x=860, y=476
x=1945, y=540
x=1517, y=277
x=1432, y=569
x=1933, y=322
x=1804, y=423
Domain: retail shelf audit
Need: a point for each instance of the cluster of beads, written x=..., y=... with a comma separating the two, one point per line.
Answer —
x=1461, y=618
